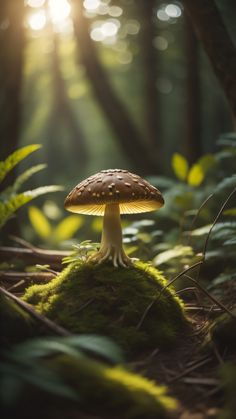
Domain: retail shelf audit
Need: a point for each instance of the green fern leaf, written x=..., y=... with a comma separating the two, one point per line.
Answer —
x=22, y=178
x=15, y=158
x=8, y=208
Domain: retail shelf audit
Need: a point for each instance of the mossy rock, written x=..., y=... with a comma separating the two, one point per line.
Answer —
x=16, y=324
x=101, y=299
x=222, y=331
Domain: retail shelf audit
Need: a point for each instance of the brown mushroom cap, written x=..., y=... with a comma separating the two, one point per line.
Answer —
x=114, y=186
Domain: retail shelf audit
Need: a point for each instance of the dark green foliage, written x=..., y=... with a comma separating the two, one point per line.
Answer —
x=101, y=299
x=10, y=198
x=59, y=379
x=228, y=373
x=222, y=332
x=16, y=324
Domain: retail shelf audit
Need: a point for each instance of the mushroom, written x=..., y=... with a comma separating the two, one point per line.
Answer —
x=110, y=193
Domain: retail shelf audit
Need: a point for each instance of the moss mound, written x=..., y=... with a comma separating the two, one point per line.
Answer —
x=100, y=299
x=222, y=331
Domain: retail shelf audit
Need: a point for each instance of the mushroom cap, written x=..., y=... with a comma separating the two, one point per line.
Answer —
x=114, y=186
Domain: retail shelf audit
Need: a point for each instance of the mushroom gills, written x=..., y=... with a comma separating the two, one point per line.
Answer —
x=111, y=243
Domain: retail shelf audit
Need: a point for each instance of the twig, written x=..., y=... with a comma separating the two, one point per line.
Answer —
x=196, y=217
x=17, y=285
x=58, y=330
x=218, y=303
x=190, y=369
x=23, y=242
x=86, y=304
x=202, y=308
x=34, y=256
x=162, y=290
x=201, y=380
x=27, y=276
x=215, y=221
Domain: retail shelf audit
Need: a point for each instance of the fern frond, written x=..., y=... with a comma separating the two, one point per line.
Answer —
x=15, y=158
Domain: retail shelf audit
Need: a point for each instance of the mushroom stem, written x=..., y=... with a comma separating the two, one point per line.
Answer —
x=111, y=243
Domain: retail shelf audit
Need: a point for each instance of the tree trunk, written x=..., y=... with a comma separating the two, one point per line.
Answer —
x=125, y=130
x=150, y=71
x=12, y=41
x=63, y=110
x=218, y=45
x=193, y=145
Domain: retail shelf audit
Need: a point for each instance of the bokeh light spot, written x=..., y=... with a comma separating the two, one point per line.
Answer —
x=59, y=10
x=35, y=3
x=91, y=5
x=173, y=10
x=37, y=21
x=160, y=43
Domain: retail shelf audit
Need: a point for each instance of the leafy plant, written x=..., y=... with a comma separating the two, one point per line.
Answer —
x=81, y=251
x=22, y=365
x=10, y=198
x=51, y=234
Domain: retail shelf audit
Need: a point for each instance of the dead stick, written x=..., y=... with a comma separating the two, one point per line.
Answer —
x=27, y=276
x=217, y=302
x=162, y=290
x=33, y=256
x=58, y=330
x=190, y=369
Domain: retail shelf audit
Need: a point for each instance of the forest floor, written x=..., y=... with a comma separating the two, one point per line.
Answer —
x=191, y=373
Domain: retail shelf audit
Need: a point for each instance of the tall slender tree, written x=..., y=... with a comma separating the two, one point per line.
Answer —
x=130, y=139
x=193, y=140
x=150, y=71
x=211, y=30
x=12, y=42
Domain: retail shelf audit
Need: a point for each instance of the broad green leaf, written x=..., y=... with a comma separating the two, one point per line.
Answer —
x=202, y=231
x=230, y=212
x=207, y=162
x=222, y=278
x=26, y=175
x=8, y=208
x=227, y=139
x=15, y=158
x=180, y=166
x=176, y=252
x=196, y=175
x=67, y=228
x=228, y=182
x=39, y=222
x=96, y=224
x=96, y=345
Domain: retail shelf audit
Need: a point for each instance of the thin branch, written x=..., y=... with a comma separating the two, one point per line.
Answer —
x=215, y=221
x=218, y=303
x=196, y=217
x=190, y=369
x=34, y=255
x=26, y=276
x=58, y=330
x=162, y=290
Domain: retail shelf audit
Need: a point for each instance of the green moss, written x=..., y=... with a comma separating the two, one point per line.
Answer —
x=88, y=298
x=16, y=324
x=113, y=391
